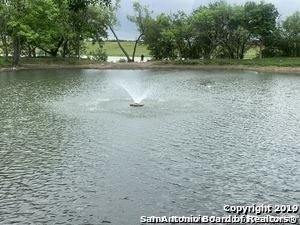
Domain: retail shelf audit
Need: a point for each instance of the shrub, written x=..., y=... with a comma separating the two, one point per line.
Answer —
x=99, y=55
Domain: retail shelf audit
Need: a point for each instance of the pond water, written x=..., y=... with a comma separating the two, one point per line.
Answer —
x=72, y=151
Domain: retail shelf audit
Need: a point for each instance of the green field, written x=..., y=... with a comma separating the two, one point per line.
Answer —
x=112, y=49
x=252, y=53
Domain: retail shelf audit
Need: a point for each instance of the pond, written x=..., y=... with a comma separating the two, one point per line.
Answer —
x=73, y=151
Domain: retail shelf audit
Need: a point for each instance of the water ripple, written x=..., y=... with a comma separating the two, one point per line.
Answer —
x=73, y=152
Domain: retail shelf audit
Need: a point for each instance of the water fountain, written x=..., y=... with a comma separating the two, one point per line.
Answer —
x=135, y=104
x=137, y=93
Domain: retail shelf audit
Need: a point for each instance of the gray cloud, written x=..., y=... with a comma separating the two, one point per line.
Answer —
x=126, y=30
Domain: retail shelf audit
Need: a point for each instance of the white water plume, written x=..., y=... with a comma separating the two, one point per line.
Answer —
x=134, y=90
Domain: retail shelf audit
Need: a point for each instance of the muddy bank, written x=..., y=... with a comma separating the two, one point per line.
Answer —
x=152, y=65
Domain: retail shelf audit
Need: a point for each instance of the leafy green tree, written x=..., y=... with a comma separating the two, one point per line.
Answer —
x=180, y=34
x=4, y=18
x=207, y=29
x=44, y=28
x=291, y=28
x=17, y=27
x=83, y=16
x=234, y=39
x=160, y=38
x=219, y=30
x=261, y=18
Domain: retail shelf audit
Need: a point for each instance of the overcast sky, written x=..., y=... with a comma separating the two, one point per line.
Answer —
x=126, y=30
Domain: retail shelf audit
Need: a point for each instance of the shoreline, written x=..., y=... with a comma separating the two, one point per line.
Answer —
x=153, y=65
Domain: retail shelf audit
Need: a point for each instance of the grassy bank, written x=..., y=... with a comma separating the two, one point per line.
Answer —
x=287, y=64
x=57, y=61
x=272, y=67
x=112, y=49
x=49, y=60
x=280, y=62
x=4, y=63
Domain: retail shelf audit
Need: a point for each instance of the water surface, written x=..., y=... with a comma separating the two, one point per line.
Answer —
x=72, y=151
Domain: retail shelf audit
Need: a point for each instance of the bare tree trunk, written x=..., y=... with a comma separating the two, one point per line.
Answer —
x=179, y=51
x=54, y=51
x=77, y=47
x=260, y=49
x=33, y=52
x=243, y=51
x=5, y=48
x=29, y=51
x=17, y=51
x=65, y=49
x=121, y=47
x=135, y=45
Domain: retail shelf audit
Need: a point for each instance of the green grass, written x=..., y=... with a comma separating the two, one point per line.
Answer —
x=4, y=63
x=252, y=53
x=48, y=60
x=57, y=60
x=112, y=49
x=282, y=62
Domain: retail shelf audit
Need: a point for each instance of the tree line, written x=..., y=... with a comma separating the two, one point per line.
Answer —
x=219, y=30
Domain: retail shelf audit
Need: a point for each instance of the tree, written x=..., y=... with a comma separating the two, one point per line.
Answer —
x=291, y=28
x=180, y=34
x=206, y=28
x=4, y=18
x=44, y=29
x=82, y=16
x=96, y=24
x=112, y=21
x=234, y=37
x=17, y=28
x=141, y=17
x=261, y=21
x=159, y=37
